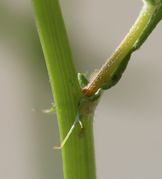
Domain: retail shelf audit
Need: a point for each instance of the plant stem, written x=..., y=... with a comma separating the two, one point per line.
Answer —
x=106, y=71
x=78, y=153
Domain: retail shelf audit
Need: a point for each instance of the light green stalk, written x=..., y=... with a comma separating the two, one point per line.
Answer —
x=78, y=153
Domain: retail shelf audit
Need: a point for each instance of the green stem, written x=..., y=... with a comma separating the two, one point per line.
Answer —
x=78, y=153
x=141, y=29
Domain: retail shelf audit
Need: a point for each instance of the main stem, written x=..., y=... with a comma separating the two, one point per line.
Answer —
x=78, y=153
x=104, y=75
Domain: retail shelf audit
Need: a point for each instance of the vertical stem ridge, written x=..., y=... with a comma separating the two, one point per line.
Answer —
x=78, y=152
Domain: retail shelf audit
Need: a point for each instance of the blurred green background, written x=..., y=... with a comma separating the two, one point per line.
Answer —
x=128, y=124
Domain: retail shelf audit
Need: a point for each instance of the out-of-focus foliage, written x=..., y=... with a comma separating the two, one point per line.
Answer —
x=153, y=2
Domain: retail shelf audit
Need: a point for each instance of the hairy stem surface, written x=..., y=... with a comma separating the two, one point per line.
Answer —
x=149, y=17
